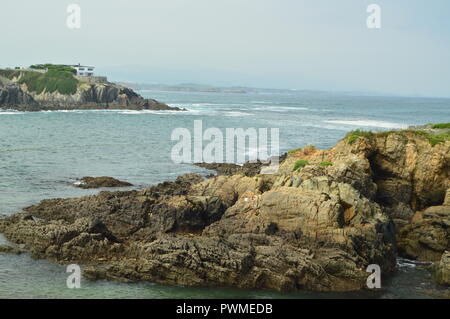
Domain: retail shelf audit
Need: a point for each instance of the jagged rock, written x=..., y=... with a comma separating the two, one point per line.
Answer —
x=427, y=235
x=405, y=165
x=99, y=182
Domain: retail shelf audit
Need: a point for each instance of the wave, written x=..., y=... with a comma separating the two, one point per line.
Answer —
x=280, y=108
x=10, y=113
x=369, y=123
x=235, y=113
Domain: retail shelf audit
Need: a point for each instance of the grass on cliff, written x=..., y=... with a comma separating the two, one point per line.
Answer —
x=354, y=135
x=441, y=125
x=58, y=78
x=300, y=164
x=433, y=139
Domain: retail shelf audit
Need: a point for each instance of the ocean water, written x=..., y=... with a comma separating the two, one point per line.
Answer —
x=42, y=154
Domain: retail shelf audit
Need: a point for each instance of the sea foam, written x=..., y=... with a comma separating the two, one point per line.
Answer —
x=369, y=123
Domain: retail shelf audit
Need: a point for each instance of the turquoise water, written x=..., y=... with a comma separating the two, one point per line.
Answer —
x=41, y=155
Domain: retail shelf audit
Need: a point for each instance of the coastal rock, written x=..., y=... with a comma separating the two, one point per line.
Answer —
x=313, y=226
x=427, y=236
x=248, y=169
x=7, y=249
x=11, y=95
x=442, y=270
x=402, y=171
x=405, y=165
x=224, y=231
x=99, y=182
x=101, y=95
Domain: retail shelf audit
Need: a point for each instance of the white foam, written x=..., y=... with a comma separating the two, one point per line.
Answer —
x=141, y=112
x=281, y=108
x=235, y=113
x=10, y=113
x=369, y=123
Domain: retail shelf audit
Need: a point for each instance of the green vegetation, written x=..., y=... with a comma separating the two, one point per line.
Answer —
x=54, y=67
x=326, y=164
x=300, y=164
x=441, y=125
x=435, y=139
x=354, y=135
x=58, y=78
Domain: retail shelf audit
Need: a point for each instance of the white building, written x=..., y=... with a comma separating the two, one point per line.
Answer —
x=84, y=70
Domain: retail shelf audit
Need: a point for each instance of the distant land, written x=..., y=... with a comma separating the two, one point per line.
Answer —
x=207, y=88
x=186, y=87
x=44, y=87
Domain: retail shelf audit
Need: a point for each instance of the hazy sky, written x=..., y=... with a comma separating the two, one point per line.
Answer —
x=302, y=44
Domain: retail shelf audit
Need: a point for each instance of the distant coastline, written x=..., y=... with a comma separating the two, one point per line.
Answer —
x=63, y=87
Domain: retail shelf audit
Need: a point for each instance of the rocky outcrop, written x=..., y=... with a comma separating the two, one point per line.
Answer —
x=224, y=231
x=402, y=171
x=228, y=169
x=87, y=96
x=7, y=249
x=99, y=182
x=427, y=235
x=441, y=271
x=314, y=226
x=12, y=96
x=248, y=169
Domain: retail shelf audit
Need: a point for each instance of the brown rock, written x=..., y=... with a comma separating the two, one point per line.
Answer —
x=99, y=182
x=442, y=270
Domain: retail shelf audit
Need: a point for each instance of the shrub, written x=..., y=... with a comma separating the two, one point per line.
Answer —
x=300, y=164
x=354, y=135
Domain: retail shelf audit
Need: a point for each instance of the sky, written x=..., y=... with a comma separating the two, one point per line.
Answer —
x=293, y=44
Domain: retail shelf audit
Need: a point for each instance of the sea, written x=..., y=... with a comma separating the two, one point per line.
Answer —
x=42, y=154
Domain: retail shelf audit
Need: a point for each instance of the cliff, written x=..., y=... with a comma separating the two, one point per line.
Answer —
x=30, y=91
x=314, y=225
x=12, y=96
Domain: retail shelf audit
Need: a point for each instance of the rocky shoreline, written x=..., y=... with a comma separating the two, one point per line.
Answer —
x=88, y=96
x=315, y=225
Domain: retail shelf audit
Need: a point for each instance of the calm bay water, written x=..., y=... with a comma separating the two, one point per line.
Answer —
x=42, y=153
